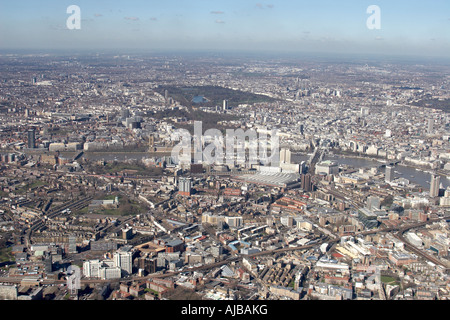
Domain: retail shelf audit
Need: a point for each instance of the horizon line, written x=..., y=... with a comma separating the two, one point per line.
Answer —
x=191, y=51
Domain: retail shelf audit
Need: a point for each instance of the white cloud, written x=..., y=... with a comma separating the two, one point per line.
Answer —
x=132, y=18
x=262, y=6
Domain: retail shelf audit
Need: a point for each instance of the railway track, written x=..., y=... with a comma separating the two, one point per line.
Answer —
x=39, y=223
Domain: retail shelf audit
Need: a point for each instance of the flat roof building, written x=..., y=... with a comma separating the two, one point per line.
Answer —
x=275, y=179
x=327, y=167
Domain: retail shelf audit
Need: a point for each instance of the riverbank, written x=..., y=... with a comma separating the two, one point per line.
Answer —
x=417, y=175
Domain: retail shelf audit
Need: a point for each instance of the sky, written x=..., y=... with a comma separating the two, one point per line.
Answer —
x=406, y=27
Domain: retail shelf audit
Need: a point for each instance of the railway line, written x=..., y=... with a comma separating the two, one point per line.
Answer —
x=399, y=230
x=39, y=223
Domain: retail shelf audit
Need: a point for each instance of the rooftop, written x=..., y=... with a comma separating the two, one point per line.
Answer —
x=279, y=179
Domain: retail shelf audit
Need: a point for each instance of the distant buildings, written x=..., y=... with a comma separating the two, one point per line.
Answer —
x=184, y=186
x=445, y=200
x=274, y=179
x=285, y=155
x=123, y=260
x=430, y=125
x=389, y=174
x=434, y=186
x=243, y=209
x=365, y=111
x=113, y=203
x=401, y=258
x=72, y=244
x=306, y=182
x=373, y=203
x=327, y=167
x=225, y=105
x=301, y=129
x=285, y=162
x=175, y=245
x=124, y=113
x=121, y=265
x=368, y=218
x=31, y=139
x=104, y=270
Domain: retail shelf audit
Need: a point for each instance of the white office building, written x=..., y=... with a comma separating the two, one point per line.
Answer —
x=101, y=270
x=109, y=273
x=90, y=268
x=123, y=260
x=327, y=167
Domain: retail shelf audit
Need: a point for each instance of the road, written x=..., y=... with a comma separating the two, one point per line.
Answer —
x=317, y=154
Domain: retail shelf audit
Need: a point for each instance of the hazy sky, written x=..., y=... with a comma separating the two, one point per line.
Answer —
x=407, y=27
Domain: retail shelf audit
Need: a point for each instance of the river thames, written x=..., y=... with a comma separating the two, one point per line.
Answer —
x=415, y=176
x=400, y=171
